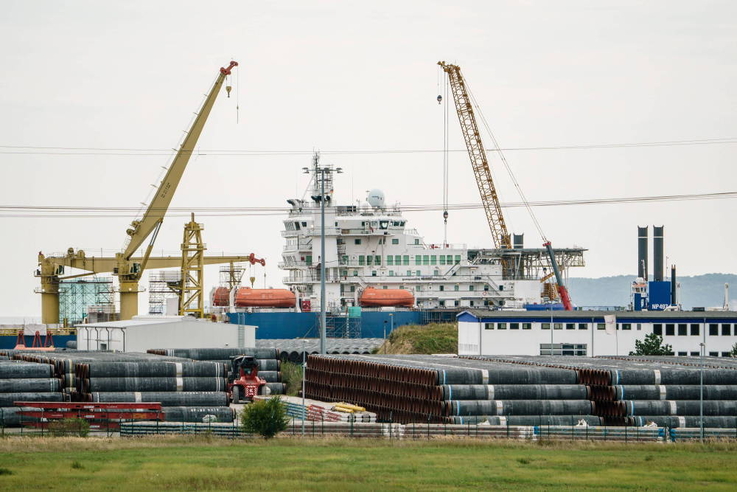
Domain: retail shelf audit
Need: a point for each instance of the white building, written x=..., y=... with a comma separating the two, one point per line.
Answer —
x=584, y=333
x=152, y=332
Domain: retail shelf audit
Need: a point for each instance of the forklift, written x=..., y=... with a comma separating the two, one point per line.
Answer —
x=243, y=380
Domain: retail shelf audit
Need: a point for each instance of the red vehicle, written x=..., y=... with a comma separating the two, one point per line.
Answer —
x=243, y=381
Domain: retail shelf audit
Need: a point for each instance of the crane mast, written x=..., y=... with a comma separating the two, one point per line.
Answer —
x=479, y=160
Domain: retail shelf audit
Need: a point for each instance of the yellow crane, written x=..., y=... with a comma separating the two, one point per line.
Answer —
x=484, y=181
x=128, y=268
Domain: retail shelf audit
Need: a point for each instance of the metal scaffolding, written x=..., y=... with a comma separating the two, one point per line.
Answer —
x=81, y=297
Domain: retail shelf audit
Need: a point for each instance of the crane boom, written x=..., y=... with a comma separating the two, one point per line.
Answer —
x=154, y=215
x=477, y=153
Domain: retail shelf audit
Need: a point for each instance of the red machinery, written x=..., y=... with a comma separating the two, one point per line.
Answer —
x=243, y=381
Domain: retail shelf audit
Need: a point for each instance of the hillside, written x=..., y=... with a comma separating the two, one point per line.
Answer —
x=700, y=290
x=435, y=338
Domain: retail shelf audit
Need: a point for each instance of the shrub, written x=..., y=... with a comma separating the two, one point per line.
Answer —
x=652, y=345
x=69, y=427
x=291, y=376
x=265, y=417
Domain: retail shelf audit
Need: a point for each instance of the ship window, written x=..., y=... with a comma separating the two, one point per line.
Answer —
x=458, y=258
x=670, y=330
x=658, y=329
x=442, y=303
x=514, y=326
x=405, y=260
x=695, y=330
x=401, y=223
x=369, y=259
x=344, y=260
x=353, y=288
x=470, y=287
x=417, y=241
x=344, y=273
x=418, y=259
x=442, y=288
x=373, y=273
x=713, y=329
x=304, y=224
x=442, y=259
x=308, y=260
x=682, y=329
x=391, y=273
x=449, y=259
x=377, y=260
x=385, y=287
x=436, y=273
x=456, y=288
x=382, y=240
x=545, y=326
x=356, y=241
x=526, y=326
x=419, y=273
x=409, y=273
x=486, y=288
x=425, y=259
x=389, y=260
x=361, y=260
x=726, y=329
x=355, y=273
x=383, y=224
x=395, y=241
x=433, y=260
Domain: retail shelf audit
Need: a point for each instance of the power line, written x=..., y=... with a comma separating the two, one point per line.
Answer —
x=52, y=211
x=100, y=151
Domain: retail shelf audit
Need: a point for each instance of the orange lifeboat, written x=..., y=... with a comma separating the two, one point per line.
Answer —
x=221, y=297
x=247, y=297
x=372, y=297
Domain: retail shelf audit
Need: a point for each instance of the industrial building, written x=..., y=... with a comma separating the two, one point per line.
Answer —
x=585, y=333
x=146, y=332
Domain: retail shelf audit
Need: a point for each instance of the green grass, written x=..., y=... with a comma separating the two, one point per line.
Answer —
x=338, y=464
x=433, y=338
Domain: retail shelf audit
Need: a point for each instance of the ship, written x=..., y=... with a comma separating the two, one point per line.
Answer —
x=380, y=273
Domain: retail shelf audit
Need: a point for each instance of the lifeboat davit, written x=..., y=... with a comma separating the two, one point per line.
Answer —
x=221, y=297
x=372, y=297
x=247, y=297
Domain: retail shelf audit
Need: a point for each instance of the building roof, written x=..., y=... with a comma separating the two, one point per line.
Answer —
x=665, y=316
x=138, y=321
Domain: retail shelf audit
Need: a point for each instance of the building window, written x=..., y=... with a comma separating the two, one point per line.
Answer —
x=583, y=326
x=527, y=326
x=682, y=329
x=570, y=326
x=695, y=354
x=514, y=326
x=356, y=241
x=670, y=330
x=695, y=330
x=713, y=354
x=726, y=354
x=557, y=326
x=577, y=349
x=501, y=326
x=658, y=329
x=726, y=329
x=627, y=326
x=600, y=326
x=545, y=326
x=713, y=329
x=682, y=354
x=488, y=326
x=639, y=327
x=395, y=241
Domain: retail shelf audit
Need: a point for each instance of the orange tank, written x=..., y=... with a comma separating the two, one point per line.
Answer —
x=386, y=297
x=221, y=297
x=247, y=297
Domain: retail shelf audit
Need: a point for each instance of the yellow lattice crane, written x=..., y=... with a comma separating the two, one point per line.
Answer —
x=477, y=153
x=128, y=268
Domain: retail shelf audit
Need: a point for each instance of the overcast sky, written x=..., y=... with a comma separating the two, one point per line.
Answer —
x=354, y=76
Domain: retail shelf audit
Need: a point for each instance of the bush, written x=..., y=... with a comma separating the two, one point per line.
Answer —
x=69, y=427
x=652, y=345
x=265, y=417
x=291, y=376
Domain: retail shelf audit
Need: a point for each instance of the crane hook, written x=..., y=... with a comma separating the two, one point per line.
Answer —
x=440, y=99
x=228, y=88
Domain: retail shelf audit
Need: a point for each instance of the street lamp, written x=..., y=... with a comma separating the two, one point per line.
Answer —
x=702, y=345
x=322, y=171
x=304, y=369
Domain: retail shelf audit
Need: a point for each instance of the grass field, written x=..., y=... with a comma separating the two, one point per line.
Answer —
x=337, y=464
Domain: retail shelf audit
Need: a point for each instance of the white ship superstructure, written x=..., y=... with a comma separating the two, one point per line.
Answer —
x=371, y=245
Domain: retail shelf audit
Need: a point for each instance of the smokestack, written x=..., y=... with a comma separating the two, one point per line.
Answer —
x=673, y=287
x=658, y=263
x=642, y=252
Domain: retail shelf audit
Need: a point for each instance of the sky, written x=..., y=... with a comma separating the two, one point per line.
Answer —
x=93, y=95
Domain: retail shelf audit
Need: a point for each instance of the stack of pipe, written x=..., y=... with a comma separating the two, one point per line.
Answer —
x=268, y=361
x=187, y=390
x=666, y=391
x=25, y=381
x=421, y=388
x=294, y=349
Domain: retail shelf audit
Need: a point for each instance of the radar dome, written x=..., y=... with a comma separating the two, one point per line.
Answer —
x=376, y=198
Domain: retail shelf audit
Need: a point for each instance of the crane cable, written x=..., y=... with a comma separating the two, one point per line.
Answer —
x=446, y=155
x=498, y=150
